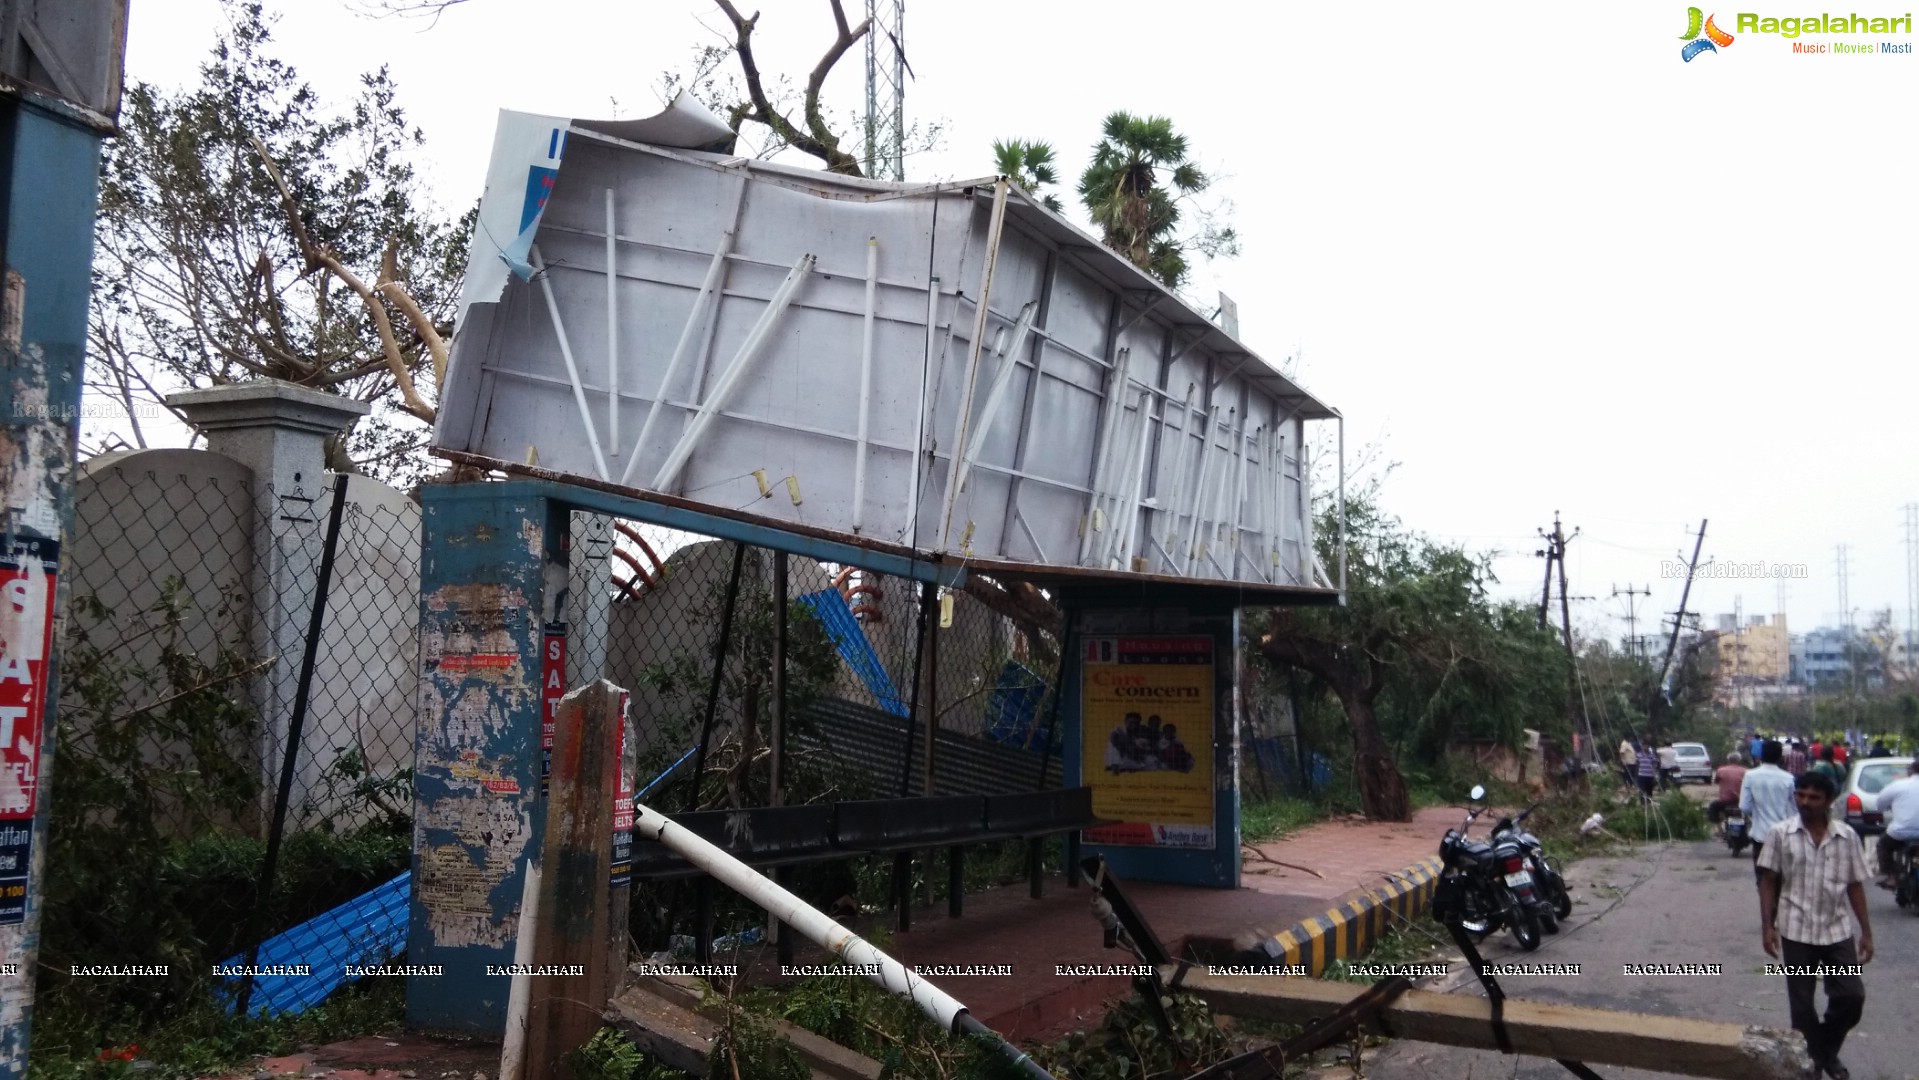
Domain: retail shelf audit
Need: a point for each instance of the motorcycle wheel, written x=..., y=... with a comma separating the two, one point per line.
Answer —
x=1549, y=922
x=1524, y=924
x=1557, y=896
x=1907, y=895
x=1738, y=846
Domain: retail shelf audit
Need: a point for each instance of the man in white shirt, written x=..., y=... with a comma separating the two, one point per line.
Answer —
x=1899, y=802
x=1765, y=798
x=1811, y=872
x=1668, y=766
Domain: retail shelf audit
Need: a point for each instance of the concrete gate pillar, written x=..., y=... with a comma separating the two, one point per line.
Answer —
x=279, y=431
x=1179, y=664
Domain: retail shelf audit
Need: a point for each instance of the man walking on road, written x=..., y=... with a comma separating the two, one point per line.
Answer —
x=1809, y=863
x=1765, y=797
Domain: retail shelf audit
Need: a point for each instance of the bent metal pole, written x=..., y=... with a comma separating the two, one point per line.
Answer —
x=818, y=927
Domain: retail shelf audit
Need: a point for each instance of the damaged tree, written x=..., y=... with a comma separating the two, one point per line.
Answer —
x=233, y=217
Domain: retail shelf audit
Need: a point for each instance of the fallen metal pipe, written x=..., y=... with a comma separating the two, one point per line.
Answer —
x=820, y=928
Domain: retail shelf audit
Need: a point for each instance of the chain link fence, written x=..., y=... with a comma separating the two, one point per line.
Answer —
x=185, y=752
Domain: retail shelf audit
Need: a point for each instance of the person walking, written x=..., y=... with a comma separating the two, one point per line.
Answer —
x=1648, y=768
x=1628, y=760
x=1811, y=871
x=1765, y=798
x=1754, y=744
x=1796, y=759
x=1828, y=766
x=1668, y=767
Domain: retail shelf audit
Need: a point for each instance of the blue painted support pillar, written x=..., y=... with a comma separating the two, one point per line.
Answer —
x=1103, y=640
x=49, y=166
x=493, y=569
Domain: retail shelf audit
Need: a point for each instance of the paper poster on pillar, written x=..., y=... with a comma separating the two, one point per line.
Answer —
x=552, y=689
x=27, y=568
x=1147, y=703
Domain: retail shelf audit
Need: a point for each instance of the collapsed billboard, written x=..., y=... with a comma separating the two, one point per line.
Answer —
x=948, y=371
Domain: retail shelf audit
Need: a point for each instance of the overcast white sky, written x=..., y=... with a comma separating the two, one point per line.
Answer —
x=1544, y=262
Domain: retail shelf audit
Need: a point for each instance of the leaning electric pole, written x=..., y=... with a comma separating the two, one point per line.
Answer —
x=1662, y=695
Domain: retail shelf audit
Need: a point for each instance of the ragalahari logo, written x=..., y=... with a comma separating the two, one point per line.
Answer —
x=1697, y=21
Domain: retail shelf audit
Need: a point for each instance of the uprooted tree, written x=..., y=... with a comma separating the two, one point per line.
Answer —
x=247, y=232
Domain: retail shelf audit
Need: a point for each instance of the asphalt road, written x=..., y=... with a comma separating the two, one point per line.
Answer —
x=1679, y=903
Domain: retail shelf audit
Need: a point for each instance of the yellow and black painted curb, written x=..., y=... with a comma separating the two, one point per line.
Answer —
x=1349, y=930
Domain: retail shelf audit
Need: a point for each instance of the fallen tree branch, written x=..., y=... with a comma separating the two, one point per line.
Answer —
x=318, y=257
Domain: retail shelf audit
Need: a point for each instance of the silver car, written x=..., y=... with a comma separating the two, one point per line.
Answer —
x=1859, y=798
x=1694, y=761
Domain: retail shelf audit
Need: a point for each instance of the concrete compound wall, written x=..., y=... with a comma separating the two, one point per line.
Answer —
x=144, y=517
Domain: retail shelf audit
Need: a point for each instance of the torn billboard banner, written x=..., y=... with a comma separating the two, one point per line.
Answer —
x=948, y=371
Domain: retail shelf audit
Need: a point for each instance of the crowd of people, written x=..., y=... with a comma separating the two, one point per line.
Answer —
x=1145, y=745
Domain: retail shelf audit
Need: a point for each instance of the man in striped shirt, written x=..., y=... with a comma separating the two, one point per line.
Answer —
x=1814, y=872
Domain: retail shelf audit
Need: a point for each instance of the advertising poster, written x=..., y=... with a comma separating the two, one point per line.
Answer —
x=1147, y=739
x=623, y=802
x=27, y=568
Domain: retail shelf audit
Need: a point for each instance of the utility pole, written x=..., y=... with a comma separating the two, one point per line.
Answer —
x=1555, y=553
x=1550, y=554
x=1634, y=644
x=1661, y=701
x=50, y=150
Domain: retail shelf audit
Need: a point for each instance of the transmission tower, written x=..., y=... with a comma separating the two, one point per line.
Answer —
x=1845, y=613
x=886, y=73
x=1844, y=576
x=1912, y=586
x=1635, y=645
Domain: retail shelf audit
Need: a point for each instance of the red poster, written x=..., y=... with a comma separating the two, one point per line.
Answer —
x=552, y=689
x=27, y=569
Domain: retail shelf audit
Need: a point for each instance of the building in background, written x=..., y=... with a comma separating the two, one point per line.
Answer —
x=1751, y=661
x=1837, y=659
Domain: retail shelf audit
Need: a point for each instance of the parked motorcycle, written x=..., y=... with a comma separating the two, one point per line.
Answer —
x=1738, y=832
x=1555, y=903
x=1485, y=886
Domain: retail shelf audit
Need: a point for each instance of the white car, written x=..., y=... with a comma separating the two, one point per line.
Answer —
x=1695, y=762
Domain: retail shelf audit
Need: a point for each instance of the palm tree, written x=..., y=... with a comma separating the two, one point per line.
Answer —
x=1135, y=212
x=1030, y=165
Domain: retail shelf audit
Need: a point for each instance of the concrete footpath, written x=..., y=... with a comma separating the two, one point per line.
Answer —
x=1315, y=896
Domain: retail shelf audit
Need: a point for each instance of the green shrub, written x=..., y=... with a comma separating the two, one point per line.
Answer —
x=1673, y=816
